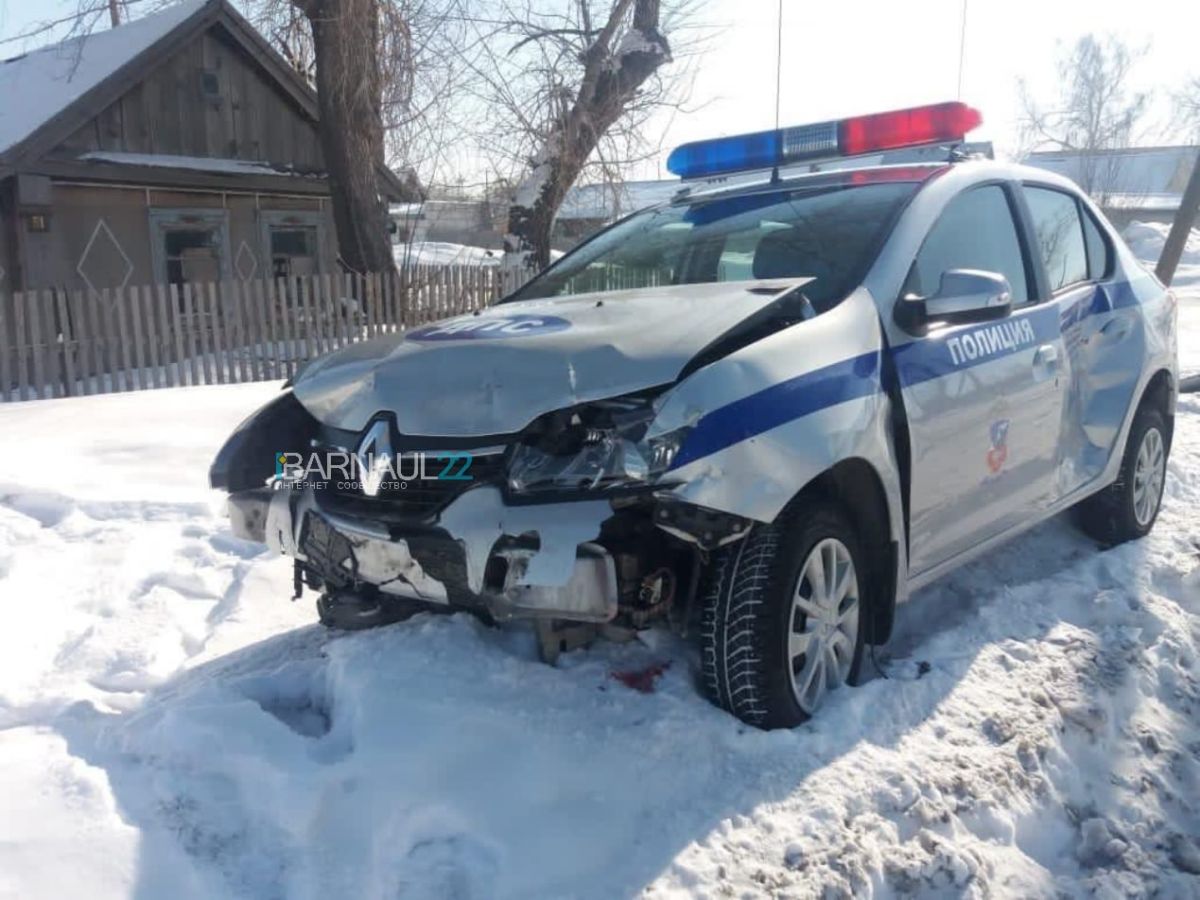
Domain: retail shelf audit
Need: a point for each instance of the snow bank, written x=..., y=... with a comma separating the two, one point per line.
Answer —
x=170, y=725
x=437, y=253
x=1146, y=240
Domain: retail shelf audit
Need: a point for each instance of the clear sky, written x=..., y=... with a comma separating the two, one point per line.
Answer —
x=852, y=56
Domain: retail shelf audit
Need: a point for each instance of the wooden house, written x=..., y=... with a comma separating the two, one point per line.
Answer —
x=176, y=148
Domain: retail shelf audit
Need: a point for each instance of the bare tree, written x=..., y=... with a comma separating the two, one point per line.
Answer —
x=1187, y=104
x=399, y=73
x=346, y=46
x=565, y=87
x=1094, y=114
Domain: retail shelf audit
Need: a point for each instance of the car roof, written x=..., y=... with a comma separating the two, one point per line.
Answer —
x=968, y=171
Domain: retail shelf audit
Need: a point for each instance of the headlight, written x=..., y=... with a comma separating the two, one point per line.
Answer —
x=602, y=446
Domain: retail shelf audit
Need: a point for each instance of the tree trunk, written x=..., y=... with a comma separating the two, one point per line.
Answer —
x=349, y=96
x=612, y=77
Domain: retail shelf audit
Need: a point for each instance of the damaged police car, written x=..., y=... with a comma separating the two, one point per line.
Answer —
x=763, y=412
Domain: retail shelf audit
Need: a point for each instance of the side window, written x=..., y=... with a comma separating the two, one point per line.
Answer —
x=1058, y=235
x=1098, y=254
x=975, y=231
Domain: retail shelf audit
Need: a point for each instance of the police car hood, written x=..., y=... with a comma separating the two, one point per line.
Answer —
x=495, y=371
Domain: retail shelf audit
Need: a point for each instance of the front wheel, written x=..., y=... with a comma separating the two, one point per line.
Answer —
x=1126, y=509
x=783, y=618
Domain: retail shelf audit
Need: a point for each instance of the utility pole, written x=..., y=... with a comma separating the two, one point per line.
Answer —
x=1180, y=228
x=1173, y=248
x=114, y=13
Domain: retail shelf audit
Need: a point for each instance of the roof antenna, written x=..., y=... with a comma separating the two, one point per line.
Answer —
x=778, y=89
x=962, y=50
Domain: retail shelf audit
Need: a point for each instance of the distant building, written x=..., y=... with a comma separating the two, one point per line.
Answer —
x=469, y=222
x=1142, y=183
x=589, y=207
x=176, y=148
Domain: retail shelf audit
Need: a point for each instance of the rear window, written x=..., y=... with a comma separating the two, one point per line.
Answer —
x=1058, y=234
x=829, y=234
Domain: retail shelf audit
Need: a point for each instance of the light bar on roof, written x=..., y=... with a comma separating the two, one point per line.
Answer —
x=921, y=125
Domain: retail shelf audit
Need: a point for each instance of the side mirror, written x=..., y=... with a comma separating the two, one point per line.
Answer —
x=964, y=296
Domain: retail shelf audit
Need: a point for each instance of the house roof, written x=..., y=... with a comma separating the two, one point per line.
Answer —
x=50, y=92
x=1156, y=174
x=38, y=85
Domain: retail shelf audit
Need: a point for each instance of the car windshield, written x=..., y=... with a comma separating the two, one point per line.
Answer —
x=825, y=233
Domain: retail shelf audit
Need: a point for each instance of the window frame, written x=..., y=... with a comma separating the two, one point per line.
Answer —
x=173, y=218
x=1109, y=251
x=287, y=219
x=1017, y=213
x=1081, y=210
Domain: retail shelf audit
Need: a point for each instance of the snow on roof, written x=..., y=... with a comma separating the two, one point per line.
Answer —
x=1157, y=174
x=608, y=201
x=195, y=163
x=38, y=85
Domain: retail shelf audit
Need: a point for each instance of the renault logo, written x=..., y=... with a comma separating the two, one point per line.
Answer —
x=375, y=457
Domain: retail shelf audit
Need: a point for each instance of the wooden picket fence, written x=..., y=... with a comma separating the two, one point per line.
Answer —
x=56, y=343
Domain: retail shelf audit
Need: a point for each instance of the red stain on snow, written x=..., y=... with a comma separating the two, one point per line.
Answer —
x=641, y=680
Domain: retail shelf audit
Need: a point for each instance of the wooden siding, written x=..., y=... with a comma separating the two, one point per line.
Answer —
x=169, y=112
x=125, y=212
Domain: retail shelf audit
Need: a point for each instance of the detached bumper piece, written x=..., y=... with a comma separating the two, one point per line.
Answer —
x=512, y=569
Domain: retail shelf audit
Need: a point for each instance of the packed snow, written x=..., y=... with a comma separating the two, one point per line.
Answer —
x=171, y=725
x=1146, y=240
x=441, y=253
x=191, y=163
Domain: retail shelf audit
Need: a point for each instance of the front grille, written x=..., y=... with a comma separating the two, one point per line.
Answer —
x=420, y=498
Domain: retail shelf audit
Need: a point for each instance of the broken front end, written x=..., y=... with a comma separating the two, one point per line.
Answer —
x=567, y=521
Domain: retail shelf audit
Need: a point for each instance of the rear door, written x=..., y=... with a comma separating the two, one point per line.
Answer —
x=983, y=402
x=1102, y=330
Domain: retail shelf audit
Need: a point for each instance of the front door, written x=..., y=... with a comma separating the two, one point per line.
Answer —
x=984, y=402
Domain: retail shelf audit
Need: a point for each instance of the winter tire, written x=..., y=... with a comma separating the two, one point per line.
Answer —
x=1126, y=509
x=783, y=617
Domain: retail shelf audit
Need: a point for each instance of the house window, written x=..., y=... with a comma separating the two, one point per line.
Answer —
x=190, y=246
x=192, y=255
x=293, y=250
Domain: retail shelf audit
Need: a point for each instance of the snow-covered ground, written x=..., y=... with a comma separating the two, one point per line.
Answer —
x=440, y=253
x=1146, y=239
x=171, y=726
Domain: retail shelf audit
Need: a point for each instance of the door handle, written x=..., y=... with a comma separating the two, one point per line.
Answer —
x=1046, y=355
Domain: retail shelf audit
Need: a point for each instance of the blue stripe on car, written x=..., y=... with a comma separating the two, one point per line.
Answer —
x=780, y=403
x=919, y=360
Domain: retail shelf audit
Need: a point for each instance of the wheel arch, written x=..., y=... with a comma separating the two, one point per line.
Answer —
x=857, y=487
x=1160, y=394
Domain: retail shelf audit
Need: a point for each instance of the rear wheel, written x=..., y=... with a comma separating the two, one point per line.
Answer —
x=1126, y=509
x=783, y=618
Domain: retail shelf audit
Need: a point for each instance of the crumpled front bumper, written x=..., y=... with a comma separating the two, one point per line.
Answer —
x=536, y=561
